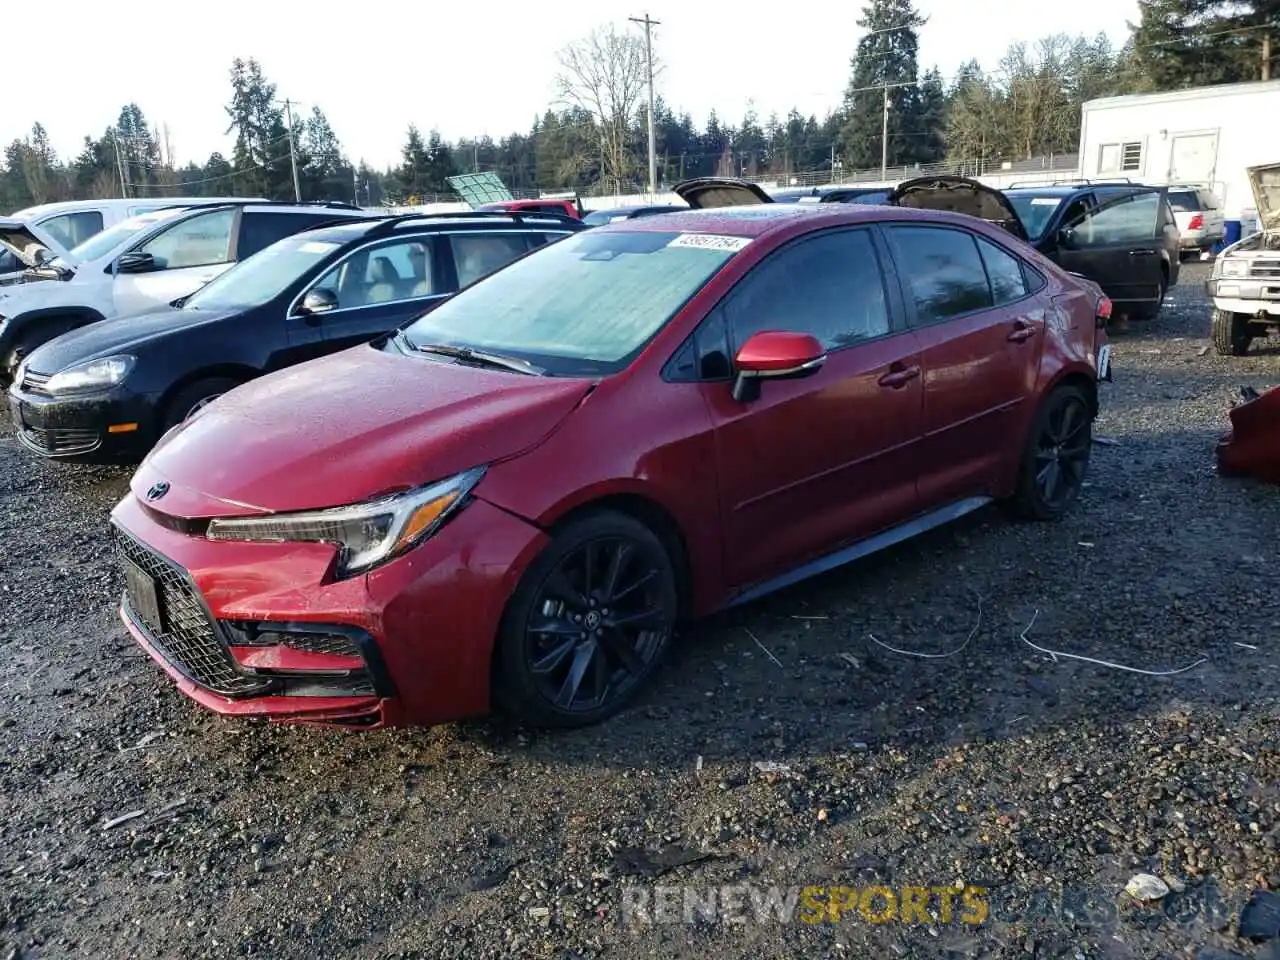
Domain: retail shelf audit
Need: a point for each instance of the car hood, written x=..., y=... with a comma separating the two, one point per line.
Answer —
x=348, y=427
x=702, y=193
x=120, y=335
x=959, y=195
x=1265, y=181
x=24, y=240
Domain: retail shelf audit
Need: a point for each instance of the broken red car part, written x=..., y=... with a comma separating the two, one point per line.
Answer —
x=1252, y=446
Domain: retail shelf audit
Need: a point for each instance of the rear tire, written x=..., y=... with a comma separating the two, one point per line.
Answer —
x=1153, y=311
x=1231, y=333
x=1055, y=460
x=193, y=396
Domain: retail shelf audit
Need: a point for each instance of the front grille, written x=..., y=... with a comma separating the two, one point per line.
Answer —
x=1268, y=269
x=187, y=637
x=61, y=441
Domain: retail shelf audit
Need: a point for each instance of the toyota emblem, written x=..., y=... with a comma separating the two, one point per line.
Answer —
x=156, y=491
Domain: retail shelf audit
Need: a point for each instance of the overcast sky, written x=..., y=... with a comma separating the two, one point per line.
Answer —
x=465, y=69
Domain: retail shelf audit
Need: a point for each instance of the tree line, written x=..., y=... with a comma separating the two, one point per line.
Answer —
x=593, y=140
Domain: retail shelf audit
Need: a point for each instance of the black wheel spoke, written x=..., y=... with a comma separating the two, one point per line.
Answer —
x=557, y=628
x=588, y=571
x=620, y=646
x=560, y=588
x=553, y=658
x=582, y=658
x=648, y=577
x=617, y=564
x=651, y=618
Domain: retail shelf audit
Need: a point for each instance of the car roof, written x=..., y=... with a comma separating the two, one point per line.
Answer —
x=359, y=227
x=760, y=219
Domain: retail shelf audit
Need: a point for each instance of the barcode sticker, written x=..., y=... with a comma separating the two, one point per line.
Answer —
x=710, y=241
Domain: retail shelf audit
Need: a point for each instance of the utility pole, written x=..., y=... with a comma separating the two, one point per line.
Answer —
x=115, y=139
x=884, y=137
x=293, y=153
x=648, y=51
x=1266, y=55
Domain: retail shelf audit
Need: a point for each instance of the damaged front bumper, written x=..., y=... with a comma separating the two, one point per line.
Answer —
x=1252, y=446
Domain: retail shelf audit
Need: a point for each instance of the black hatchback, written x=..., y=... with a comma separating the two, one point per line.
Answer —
x=105, y=393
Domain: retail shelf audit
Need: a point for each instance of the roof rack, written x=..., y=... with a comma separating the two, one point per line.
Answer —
x=390, y=223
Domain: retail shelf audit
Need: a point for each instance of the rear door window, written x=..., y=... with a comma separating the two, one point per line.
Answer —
x=944, y=273
x=478, y=254
x=259, y=230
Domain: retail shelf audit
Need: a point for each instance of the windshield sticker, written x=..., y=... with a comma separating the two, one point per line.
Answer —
x=318, y=246
x=1045, y=201
x=710, y=241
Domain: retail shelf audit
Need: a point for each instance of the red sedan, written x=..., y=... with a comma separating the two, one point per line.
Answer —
x=513, y=500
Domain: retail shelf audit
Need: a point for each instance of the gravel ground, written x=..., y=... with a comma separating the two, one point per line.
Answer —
x=996, y=766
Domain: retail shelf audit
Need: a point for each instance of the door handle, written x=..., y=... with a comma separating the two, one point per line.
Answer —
x=1022, y=331
x=900, y=377
x=1142, y=253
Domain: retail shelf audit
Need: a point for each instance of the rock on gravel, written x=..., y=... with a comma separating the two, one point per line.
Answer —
x=998, y=785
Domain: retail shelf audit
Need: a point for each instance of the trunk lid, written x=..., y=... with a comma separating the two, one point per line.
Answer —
x=959, y=195
x=704, y=193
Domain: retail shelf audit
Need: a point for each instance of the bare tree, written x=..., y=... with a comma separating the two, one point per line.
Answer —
x=606, y=74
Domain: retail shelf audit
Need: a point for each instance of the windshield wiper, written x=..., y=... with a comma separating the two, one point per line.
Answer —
x=480, y=358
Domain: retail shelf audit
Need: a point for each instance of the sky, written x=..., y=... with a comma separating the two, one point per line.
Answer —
x=467, y=71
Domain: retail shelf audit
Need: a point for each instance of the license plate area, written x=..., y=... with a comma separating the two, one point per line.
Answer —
x=1104, y=362
x=144, y=596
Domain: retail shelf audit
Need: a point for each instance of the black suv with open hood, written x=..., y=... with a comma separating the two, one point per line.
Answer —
x=1121, y=236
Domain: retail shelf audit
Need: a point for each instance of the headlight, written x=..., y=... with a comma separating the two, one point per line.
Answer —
x=368, y=534
x=91, y=375
x=1233, y=268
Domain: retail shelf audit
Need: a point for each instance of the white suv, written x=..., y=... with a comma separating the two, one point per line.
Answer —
x=141, y=264
x=65, y=224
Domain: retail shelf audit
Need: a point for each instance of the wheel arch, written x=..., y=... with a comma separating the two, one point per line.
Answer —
x=241, y=372
x=652, y=514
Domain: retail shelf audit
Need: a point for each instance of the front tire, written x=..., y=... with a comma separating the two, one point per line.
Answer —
x=192, y=397
x=589, y=624
x=1231, y=333
x=1054, y=463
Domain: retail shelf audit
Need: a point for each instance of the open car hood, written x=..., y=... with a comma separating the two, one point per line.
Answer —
x=703, y=193
x=1265, y=181
x=24, y=240
x=959, y=195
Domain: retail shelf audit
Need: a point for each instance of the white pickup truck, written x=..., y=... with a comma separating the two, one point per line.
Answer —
x=1245, y=283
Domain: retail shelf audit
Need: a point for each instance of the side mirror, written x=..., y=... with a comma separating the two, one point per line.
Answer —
x=136, y=262
x=41, y=255
x=317, y=300
x=775, y=355
x=1067, y=238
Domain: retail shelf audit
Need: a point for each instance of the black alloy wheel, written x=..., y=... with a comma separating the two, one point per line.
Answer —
x=1057, y=455
x=589, y=624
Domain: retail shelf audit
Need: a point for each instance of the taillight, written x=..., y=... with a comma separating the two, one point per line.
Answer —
x=1103, y=313
x=1197, y=222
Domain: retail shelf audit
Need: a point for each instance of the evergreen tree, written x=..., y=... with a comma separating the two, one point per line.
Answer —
x=887, y=59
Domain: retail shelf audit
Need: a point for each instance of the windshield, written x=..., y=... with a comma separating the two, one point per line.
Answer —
x=259, y=278
x=582, y=305
x=101, y=244
x=1034, y=211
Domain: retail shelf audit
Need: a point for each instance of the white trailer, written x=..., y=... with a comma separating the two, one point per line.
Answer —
x=1203, y=135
